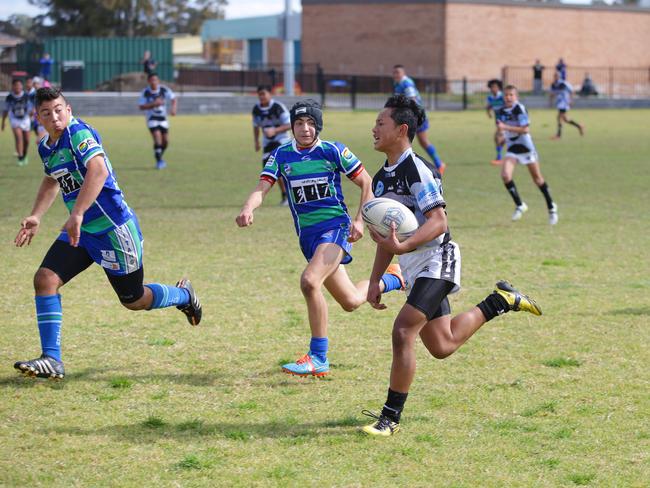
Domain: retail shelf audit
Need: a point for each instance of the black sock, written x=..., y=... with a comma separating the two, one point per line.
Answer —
x=163, y=148
x=544, y=189
x=512, y=189
x=157, y=151
x=493, y=305
x=394, y=405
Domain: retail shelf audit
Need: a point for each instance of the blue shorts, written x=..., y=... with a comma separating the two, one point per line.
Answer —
x=424, y=126
x=118, y=251
x=339, y=236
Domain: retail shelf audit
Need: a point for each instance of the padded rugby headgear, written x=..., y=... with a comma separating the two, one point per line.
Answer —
x=307, y=108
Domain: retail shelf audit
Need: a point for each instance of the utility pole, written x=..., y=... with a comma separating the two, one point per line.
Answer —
x=289, y=71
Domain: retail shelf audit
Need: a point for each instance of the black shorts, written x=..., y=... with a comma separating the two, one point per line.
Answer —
x=429, y=296
x=67, y=262
x=561, y=110
x=162, y=130
x=268, y=149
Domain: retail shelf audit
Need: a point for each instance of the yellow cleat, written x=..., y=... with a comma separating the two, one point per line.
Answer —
x=383, y=427
x=517, y=302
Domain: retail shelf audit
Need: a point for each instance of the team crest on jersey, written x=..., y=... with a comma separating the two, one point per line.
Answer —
x=379, y=189
x=87, y=144
x=347, y=154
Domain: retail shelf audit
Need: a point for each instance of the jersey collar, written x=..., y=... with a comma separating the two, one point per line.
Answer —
x=404, y=155
x=300, y=151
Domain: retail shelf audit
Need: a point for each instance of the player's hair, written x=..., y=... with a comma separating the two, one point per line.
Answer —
x=151, y=75
x=406, y=111
x=264, y=88
x=307, y=108
x=511, y=87
x=398, y=66
x=47, y=95
x=16, y=80
x=495, y=81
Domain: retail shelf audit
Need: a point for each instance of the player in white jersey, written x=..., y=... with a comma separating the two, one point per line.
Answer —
x=513, y=120
x=561, y=91
x=430, y=262
x=19, y=108
x=154, y=100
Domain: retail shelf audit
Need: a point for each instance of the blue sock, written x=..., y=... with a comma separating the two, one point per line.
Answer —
x=318, y=348
x=431, y=151
x=168, y=296
x=391, y=282
x=49, y=315
x=499, y=151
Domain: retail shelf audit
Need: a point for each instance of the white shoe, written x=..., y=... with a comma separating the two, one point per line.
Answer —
x=520, y=210
x=284, y=202
x=552, y=215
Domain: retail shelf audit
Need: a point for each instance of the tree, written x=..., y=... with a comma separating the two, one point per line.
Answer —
x=105, y=18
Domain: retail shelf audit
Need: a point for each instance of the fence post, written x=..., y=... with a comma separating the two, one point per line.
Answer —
x=241, y=81
x=320, y=82
x=353, y=92
x=464, y=93
x=436, y=87
x=504, y=75
x=611, y=82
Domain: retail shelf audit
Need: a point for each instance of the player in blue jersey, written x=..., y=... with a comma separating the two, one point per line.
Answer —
x=430, y=262
x=154, y=100
x=101, y=228
x=494, y=103
x=19, y=108
x=311, y=169
x=513, y=120
x=562, y=91
x=403, y=85
x=271, y=119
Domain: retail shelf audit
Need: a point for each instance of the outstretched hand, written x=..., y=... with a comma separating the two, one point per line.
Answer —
x=245, y=218
x=374, y=296
x=28, y=229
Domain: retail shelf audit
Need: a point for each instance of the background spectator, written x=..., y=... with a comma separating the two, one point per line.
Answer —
x=588, y=87
x=148, y=63
x=560, y=67
x=46, y=66
x=538, y=68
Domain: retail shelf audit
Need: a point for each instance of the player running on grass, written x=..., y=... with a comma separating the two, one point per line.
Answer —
x=101, y=229
x=311, y=170
x=562, y=91
x=19, y=108
x=403, y=85
x=494, y=103
x=154, y=100
x=430, y=262
x=513, y=120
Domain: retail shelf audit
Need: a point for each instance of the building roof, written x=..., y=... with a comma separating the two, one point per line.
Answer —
x=187, y=45
x=9, y=41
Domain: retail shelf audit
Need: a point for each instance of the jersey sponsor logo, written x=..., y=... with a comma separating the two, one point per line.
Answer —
x=310, y=189
x=347, y=154
x=108, y=255
x=110, y=265
x=379, y=189
x=430, y=191
x=86, y=145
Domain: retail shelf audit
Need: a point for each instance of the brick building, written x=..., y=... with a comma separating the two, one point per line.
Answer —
x=474, y=38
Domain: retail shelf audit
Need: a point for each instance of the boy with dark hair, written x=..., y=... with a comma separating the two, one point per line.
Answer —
x=154, y=100
x=19, y=108
x=429, y=259
x=271, y=118
x=494, y=103
x=101, y=228
x=311, y=169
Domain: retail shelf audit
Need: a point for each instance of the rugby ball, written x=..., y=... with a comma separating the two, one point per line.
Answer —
x=379, y=213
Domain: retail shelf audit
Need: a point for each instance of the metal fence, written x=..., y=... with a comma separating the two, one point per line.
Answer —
x=333, y=90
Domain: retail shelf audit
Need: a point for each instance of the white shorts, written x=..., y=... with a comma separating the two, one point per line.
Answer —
x=23, y=124
x=157, y=124
x=441, y=263
x=524, y=158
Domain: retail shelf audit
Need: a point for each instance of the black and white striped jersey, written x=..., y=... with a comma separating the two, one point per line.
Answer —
x=273, y=115
x=516, y=116
x=415, y=183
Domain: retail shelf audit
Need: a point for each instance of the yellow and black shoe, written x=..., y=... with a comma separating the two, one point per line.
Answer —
x=383, y=426
x=517, y=302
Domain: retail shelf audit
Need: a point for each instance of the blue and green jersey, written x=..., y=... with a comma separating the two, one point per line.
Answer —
x=66, y=160
x=312, y=177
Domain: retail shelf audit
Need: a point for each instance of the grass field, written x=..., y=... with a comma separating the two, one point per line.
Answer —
x=557, y=401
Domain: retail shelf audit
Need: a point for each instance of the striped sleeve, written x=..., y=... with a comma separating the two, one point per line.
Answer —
x=347, y=162
x=85, y=145
x=425, y=187
x=271, y=171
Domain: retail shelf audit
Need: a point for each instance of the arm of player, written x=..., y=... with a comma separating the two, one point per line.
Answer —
x=363, y=181
x=174, y=107
x=488, y=109
x=96, y=174
x=254, y=200
x=511, y=128
x=44, y=198
x=4, y=118
x=382, y=260
x=273, y=131
x=435, y=225
x=256, y=138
